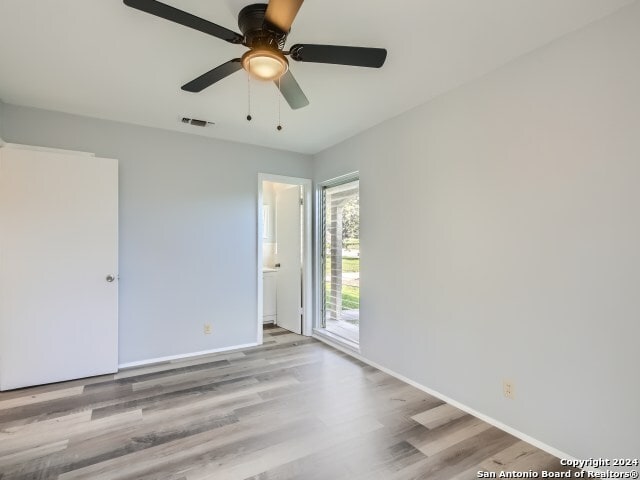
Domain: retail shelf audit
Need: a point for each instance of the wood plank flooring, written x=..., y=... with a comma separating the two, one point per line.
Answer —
x=292, y=408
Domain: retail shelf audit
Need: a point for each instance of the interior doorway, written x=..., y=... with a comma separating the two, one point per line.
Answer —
x=340, y=254
x=284, y=254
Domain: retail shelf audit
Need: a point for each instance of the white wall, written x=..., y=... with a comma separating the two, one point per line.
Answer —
x=188, y=248
x=500, y=239
x=269, y=242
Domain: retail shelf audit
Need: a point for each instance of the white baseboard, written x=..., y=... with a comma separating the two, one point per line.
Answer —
x=491, y=421
x=185, y=355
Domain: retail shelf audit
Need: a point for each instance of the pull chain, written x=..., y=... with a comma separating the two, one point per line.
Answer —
x=279, y=127
x=249, y=93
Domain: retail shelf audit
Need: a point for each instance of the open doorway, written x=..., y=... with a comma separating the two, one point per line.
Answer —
x=340, y=255
x=284, y=254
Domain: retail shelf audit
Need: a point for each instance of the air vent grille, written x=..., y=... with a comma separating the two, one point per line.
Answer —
x=196, y=122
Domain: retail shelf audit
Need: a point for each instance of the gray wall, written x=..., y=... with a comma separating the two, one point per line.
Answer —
x=500, y=239
x=187, y=227
x=1, y=115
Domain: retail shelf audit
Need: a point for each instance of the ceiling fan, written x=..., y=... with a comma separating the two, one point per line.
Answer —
x=264, y=30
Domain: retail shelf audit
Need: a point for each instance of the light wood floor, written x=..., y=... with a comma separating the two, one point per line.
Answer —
x=290, y=409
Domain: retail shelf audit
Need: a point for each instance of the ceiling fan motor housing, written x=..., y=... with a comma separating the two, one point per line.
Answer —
x=257, y=32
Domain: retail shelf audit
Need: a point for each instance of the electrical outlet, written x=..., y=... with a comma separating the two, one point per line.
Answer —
x=207, y=329
x=508, y=389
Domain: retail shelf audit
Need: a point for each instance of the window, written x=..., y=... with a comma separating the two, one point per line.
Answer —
x=341, y=260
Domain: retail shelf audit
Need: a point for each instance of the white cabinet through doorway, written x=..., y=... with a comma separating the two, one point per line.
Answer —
x=269, y=296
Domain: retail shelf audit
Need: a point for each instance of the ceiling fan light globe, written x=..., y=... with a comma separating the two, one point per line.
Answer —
x=265, y=64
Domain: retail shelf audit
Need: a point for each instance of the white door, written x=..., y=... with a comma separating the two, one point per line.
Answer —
x=58, y=245
x=289, y=256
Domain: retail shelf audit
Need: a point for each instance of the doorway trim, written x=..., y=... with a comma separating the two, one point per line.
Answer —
x=307, y=254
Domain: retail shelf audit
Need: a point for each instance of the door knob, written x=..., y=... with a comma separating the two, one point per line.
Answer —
x=110, y=278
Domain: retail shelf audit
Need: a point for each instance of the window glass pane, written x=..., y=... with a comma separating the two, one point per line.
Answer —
x=342, y=260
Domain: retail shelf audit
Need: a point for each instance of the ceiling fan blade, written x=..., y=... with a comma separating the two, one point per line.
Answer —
x=339, y=55
x=183, y=18
x=291, y=91
x=281, y=13
x=212, y=76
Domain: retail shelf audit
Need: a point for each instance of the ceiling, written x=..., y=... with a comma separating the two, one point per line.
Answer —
x=103, y=59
